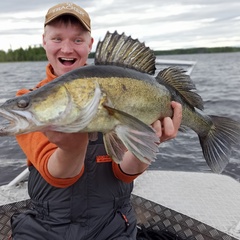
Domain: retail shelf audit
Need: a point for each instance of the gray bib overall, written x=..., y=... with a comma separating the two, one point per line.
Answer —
x=96, y=207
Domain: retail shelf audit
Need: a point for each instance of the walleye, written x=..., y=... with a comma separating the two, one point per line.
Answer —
x=120, y=97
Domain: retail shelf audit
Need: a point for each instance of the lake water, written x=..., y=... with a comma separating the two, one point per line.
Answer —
x=217, y=78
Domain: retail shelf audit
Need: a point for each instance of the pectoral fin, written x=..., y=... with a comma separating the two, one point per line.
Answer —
x=114, y=146
x=132, y=134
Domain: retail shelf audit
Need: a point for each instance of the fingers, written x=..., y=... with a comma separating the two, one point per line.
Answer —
x=66, y=140
x=168, y=127
x=53, y=136
x=177, y=115
x=157, y=127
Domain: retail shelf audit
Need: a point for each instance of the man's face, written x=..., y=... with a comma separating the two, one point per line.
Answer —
x=67, y=46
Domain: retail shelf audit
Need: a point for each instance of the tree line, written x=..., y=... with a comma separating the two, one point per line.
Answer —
x=198, y=50
x=20, y=55
x=38, y=53
x=29, y=54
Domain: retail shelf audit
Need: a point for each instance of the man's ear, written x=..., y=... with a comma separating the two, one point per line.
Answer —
x=43, y=41
x=91, y=44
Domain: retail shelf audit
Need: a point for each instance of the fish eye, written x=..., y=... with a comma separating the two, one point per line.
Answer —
x=22, y=103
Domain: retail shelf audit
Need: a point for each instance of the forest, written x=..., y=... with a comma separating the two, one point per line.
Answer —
x=38, y=53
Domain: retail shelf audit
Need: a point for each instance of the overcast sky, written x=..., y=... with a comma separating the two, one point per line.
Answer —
x=160, y=24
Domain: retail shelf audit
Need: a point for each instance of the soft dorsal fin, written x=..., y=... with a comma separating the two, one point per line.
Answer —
x=176, y=79
x=121, y=50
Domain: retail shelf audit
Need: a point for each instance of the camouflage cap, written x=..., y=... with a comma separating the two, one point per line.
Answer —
x=68, y=9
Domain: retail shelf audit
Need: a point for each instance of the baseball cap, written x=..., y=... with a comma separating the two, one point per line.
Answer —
x=68, y=8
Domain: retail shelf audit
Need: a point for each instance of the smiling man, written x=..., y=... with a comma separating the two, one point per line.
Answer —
x=76, y=190
x=67, y=43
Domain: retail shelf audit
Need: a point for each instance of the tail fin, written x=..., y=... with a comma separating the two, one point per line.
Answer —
x=217, y=144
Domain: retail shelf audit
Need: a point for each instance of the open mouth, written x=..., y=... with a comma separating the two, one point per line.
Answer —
x=7, y=123
x=12, y=123
x=67, y=61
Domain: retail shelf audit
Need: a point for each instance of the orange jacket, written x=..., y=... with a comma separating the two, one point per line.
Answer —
x=38, y=149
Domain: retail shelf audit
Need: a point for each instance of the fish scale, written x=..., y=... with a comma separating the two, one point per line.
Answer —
x=120, y=96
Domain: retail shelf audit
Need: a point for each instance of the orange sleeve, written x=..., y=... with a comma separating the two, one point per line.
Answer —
x=119, y=174
x=38, y=150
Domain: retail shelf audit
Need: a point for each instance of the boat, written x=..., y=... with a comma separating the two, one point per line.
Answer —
x=189, y=205
x=163, y=63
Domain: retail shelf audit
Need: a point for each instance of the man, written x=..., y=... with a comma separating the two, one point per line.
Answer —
x=76, y=190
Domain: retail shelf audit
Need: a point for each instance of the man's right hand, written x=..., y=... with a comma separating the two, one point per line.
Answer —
x=68, y=159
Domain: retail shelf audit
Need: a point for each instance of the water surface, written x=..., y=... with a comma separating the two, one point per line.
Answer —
x=217, y=78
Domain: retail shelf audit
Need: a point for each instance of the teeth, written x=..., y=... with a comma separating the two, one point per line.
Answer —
x=67, y=59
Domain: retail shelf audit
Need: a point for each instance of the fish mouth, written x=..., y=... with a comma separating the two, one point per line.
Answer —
x=14, y=122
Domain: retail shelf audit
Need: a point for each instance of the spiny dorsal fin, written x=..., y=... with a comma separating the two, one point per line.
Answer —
x=121, y=50
x=177, y=79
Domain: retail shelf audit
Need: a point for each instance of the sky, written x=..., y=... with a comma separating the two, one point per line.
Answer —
x=162, y=25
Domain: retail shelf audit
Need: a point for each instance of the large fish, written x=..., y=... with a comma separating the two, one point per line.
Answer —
x=120, y=97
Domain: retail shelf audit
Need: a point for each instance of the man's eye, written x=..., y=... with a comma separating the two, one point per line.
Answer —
x=57, y=39
x=78, y=41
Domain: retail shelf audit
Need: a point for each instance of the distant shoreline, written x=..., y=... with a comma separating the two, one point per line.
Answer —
x=198, y=50
x=38, y=53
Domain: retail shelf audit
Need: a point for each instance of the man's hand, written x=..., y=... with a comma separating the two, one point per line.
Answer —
x=165, y=129
x=168, y=127
x=68, y=159
x=66, y=141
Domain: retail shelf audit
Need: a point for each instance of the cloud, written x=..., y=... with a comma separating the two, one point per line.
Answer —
x=160, y=24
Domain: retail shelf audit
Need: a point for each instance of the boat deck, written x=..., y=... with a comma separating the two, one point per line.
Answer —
x=209, y=198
